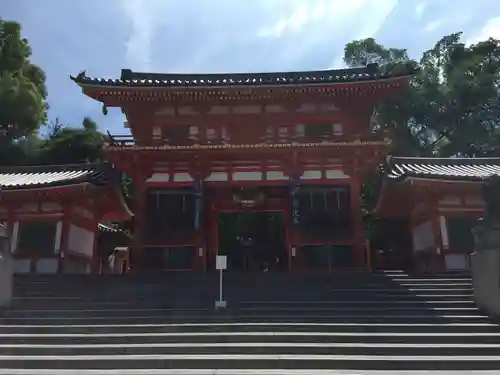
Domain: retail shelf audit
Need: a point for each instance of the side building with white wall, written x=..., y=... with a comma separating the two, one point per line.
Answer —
x=51, y=214
x=441, y=198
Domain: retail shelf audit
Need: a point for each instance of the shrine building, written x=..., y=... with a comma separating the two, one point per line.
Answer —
x=52, y=214
x=262, y=167
x=441, y=198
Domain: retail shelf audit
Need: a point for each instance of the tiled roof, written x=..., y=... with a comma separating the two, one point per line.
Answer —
x=110, y=229
x=458, y=169
x=130, y=78
x=30, y=177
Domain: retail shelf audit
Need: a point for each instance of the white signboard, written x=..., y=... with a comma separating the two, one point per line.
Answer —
x=221, y=262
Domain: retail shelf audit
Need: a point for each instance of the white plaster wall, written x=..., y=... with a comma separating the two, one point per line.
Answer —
x=311, y=175
x=443, y=225
x=474, y=202
x=76, y=267
x=57, y=240
x=456, y=262
x=423, y=236
x=80, y=241
x=47, y=265
x=13, y=238
x=51, y=206
x=450, y=200
x=29, y=207
x=247, y=176
x=80, y=211
x=22, y=265
x=333, y=174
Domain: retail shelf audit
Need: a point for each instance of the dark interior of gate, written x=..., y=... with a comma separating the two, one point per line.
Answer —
x=260, y=229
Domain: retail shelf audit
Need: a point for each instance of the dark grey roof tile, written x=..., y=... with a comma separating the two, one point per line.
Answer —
x=130, y=78
x=29, y=177
x=466, y=169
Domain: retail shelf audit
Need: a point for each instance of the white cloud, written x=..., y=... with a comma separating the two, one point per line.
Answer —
x=307, y=13
x=146, y=17
x=420, y=8
x=139, y=42
x=314, y=22
x=490, y=30
x=338, y=63
x=366, y=24
x=431, y=26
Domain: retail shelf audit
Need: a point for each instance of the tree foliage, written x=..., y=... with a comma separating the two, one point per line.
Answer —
x=452, y=107
x=22, y=86
x=70, y=145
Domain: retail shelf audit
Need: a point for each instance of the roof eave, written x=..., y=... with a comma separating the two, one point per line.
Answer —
x=118, y=84
x=41, y=187
x=447, y=179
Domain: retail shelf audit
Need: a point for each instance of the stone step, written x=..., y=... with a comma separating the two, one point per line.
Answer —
x=352, y=310
x=291, y=361
x=298, y=295
x=72, y=304
x=252, y=337
x=416, y=317
x=253, y=327
x=260, y=280
x=214, y=371
x=355, y=303
x=233, y=372
x=254, y=348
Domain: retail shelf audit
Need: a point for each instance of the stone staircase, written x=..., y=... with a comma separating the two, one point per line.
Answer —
x=275, y=324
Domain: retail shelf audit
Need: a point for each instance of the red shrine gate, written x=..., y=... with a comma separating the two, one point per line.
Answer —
x=298, y=143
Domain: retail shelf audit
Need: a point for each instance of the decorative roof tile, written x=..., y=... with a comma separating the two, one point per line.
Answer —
x=129, y=78
x=30, y=177
x=457, y=169
x=110, y=229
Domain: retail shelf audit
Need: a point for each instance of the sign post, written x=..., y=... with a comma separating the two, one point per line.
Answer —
x=221, y=265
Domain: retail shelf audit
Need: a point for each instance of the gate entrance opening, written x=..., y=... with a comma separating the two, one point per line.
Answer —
x=253, y=241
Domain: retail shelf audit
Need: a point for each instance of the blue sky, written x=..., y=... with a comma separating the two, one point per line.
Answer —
x=104, y=36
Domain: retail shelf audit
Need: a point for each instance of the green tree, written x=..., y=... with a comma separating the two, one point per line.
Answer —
x=70, y=145
x=451, y=108
x=22, y=86
x=462, y=90
x=395, y=114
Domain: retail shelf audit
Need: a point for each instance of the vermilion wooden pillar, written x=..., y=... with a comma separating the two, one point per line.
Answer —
x=439, y=255
x=137, y=240
x=213, y=230
x=288, y=228
x=64, y=236
x=357, y=223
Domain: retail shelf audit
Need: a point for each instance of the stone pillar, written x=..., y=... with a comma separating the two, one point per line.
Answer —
x=485, y=262
x=6, y=270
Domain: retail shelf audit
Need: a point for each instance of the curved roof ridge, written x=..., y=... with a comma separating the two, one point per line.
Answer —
x=457, y=169
x=39, y=168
